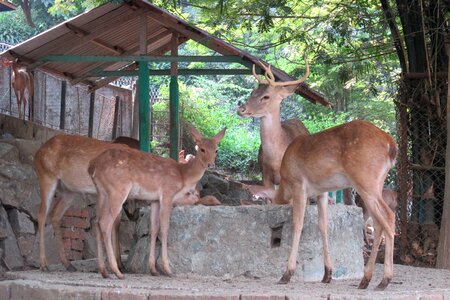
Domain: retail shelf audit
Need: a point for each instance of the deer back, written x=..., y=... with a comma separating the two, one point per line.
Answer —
x=67, y=157
x=337, y=157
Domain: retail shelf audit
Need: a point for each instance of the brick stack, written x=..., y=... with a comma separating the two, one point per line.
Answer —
x=73, y=226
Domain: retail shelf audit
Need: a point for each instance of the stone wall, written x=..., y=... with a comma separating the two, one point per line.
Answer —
x=254, y=241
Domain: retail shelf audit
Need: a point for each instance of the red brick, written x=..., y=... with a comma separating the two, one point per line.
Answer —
x=85, y=213
x=70, y=222
x=73, y=212
x=121, y=294
x=74, y=233
x=77, y=245
x=67, y=244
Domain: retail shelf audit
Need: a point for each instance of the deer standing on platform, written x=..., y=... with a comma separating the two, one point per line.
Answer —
x=122, y=173
x=22, y=80
x=356, y=154
x=264, y=103
x=61, y=166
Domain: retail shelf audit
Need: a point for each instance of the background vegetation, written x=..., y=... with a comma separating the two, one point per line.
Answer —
x=347, y=44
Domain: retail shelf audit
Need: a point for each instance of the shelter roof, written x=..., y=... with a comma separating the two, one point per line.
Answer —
x=6, y=6
x=114, y=29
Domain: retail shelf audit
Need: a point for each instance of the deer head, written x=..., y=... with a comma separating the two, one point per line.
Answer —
x=206, y=157
x=267, y=97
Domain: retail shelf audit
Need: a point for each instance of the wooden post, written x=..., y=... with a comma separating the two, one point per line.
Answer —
x=443, y=250
x=116, y=117
x=91, y=114
x=62, y=114
x=174, y=102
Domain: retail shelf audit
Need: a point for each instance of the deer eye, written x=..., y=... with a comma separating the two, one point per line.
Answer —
x=264, y=98
x=217, y=151
x=203, y=150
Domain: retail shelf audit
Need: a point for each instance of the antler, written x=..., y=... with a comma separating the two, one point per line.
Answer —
x=270, y=78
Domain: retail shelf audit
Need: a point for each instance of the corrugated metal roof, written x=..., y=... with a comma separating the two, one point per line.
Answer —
x=6, y=6
x=115, y=29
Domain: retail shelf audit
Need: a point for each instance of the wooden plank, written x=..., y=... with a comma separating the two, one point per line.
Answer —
x=91, y=114
x=62, y=114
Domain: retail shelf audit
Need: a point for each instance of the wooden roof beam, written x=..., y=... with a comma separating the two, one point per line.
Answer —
x=128, y=52
x=82, y=33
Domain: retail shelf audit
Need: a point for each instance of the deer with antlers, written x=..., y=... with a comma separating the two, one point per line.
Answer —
x=122, y=173
x=264, y=103
x=22, y=80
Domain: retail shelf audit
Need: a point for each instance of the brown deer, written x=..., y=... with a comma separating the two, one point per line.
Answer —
x=122, y=173
x=389, y=196
x=264, y=103
x=22, y=80
x=356, y=154
x=61, y=166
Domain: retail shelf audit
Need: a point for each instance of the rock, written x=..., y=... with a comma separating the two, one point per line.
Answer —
x=3, y=226
x=256, y=240
x=26, y=149
x=8, y=152
x=12, y=257
x=228, y=192
x=19, y=187
x=20, y=222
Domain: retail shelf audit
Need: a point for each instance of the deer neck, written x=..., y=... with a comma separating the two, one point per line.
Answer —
x=271, y=132
x=193, y=171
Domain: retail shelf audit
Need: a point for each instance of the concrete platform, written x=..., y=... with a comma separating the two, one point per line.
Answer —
x=254, y=240
x=409, y=283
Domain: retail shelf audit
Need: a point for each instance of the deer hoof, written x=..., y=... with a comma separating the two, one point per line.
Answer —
x=119, y=275
x=71, y=268
x=383, y=284
x=364, y=283
x=327, y=275
x=104, y=273
x=286, y=277
x=45, y=269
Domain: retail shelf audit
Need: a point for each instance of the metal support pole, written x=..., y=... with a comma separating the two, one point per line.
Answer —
x=62, y=115
x=144, y=107
x=91, y=114
x=174, y=117
x=116, y=117
x=174, y=102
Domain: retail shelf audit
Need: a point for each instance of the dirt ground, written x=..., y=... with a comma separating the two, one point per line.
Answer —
x=408, y=283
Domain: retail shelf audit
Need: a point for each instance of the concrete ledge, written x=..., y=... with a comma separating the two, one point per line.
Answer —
x=409, y=284
x=255, y=241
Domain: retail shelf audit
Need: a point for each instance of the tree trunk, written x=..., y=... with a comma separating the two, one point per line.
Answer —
x=443, y=251
x=26, y=8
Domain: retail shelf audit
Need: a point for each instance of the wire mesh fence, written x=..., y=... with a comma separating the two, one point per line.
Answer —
x=421, y=171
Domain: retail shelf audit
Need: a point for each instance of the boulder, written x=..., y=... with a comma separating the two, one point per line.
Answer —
x=255, y=241
x=20, y=222
x=12, y=256
x=228, y=192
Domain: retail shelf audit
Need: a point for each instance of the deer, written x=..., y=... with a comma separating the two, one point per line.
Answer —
x=61, y=165
x=22, y=80
x=389, y=196
x=355, y=154
x=119, y=174
x=264, y=103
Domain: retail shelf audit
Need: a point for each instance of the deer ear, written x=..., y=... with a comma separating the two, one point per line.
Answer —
x=218, y=137
x=288, y=90
x=195, y=134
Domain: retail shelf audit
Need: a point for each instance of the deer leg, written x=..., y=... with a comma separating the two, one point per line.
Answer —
x=154, y=230
x=298, y=215
x=112, y=208
x=383, y=219
x=322, y=210
x=115, y=241
x=60, y=207
x=389, y=250
x=100, y=211
x=48, y=187
x=164, y=217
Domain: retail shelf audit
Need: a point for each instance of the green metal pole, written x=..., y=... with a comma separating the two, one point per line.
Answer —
x=144, y=107
x=174, y=117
